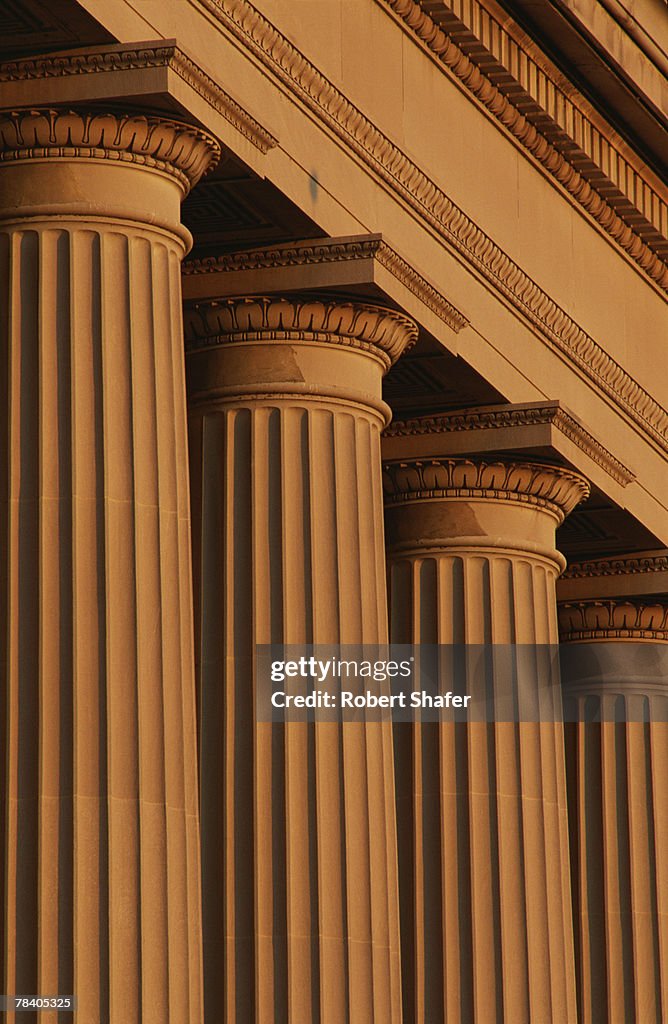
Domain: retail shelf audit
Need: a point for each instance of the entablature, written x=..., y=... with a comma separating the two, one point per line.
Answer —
x=299, y=138
x=507, y=72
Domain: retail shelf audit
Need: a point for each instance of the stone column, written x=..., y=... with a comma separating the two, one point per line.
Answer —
x=100, y=845
x=481, y=806
x=298, y=824
x=616, y=671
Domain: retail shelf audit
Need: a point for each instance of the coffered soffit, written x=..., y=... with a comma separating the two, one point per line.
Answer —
x=35, y=26
x=157, y=76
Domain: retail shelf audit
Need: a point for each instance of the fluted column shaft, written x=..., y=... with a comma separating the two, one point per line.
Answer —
x=481, y=807
x=101, y=829
x=298, y=823
x=617, y=672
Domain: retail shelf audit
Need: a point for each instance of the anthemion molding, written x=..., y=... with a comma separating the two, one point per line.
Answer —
x=595, y=170
x=385, y=333
x=423, y=196
x=180, y=150
x=332, y=251
x=515, y=419
x=141, y=57
x=610, y=620
x=553, y=488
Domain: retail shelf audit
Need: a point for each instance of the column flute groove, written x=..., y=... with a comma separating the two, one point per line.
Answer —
x=101, y=834
x=616, y=692
x=305, y=921
x=482, y=806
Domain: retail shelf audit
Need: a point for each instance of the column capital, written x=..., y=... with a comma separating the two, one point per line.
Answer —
x=383, y=332
x=613, y=620
x=548, y=487
x=182, y=151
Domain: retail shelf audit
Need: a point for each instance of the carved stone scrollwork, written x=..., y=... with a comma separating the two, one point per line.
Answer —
x=180, y=150
x=383, y=332
x=549, y=487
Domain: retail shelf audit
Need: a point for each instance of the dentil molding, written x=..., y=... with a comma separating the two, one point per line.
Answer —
x=537, y=128
x=276, y=319
x=180, y=150
x=550, y=487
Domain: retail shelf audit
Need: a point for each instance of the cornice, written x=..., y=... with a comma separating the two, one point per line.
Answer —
x=630, y=565
x=180, y=150
x=383, y=332
x=326, y=251
x=496, y=419
x=532, y=130
x=613, y=620
x=425, y=198
x=549, y=487
x=139, y=58
x=415, y=283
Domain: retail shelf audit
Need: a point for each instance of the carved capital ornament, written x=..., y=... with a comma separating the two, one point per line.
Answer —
x=180, y=150
x=613, y=620
x=548, y=487
x=382, y=332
